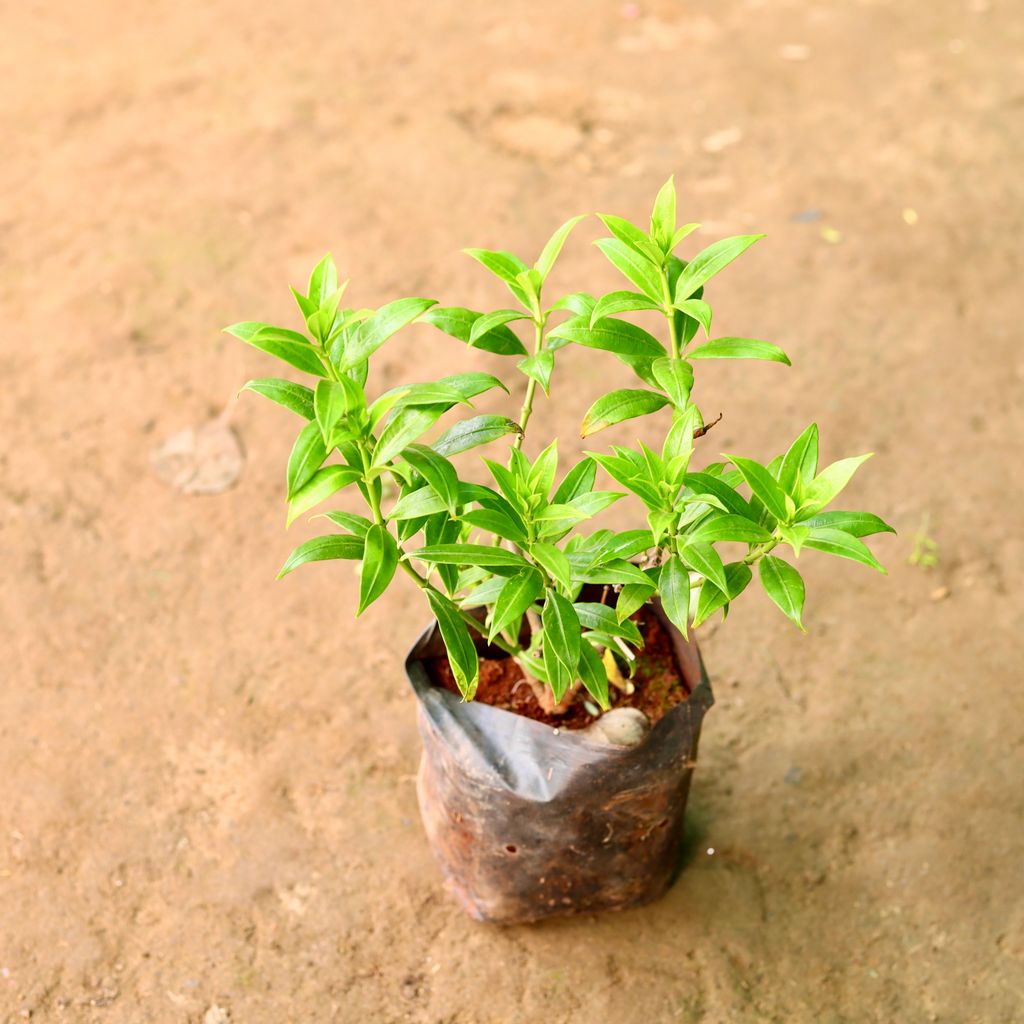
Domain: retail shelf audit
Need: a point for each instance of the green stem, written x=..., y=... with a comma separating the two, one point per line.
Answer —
x=670, y=314
x=531, y=387
x=760, y=549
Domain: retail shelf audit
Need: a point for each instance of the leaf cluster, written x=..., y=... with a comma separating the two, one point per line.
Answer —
x=516, y=547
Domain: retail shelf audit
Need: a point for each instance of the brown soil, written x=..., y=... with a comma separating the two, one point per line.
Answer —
x=207, y=792
x=658, y=684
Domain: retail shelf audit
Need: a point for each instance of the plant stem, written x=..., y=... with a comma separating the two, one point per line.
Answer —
x=531, y=387
x=670, y=314
x=761, y=549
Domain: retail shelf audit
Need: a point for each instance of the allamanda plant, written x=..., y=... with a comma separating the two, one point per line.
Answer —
x=516, y=550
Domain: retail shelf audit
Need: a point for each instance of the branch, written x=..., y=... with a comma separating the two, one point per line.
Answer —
x=701, y=431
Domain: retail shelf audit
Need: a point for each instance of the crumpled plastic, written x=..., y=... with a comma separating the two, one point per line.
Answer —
x=530, y=822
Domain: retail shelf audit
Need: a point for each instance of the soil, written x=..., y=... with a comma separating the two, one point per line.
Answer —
x=657, y=682
x=207, y=796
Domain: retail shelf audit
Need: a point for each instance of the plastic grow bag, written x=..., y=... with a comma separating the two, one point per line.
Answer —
x=528, y=822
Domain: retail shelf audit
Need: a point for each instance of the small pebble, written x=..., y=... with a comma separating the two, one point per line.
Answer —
x=795, y=51
x=939, y=594
x=910, y=216
x=621, y=727
x=807, y=216
x=832, y=235
x=717, y=141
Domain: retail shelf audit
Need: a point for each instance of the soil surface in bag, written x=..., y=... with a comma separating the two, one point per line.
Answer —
x=658, y=682
x=529, y=821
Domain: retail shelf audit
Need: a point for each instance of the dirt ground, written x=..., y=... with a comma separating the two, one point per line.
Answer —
x=207, y=807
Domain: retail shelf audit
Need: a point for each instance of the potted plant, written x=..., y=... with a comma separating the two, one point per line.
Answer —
x=560, y=694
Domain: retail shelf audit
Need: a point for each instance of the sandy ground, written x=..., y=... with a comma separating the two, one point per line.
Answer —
x=207, y=809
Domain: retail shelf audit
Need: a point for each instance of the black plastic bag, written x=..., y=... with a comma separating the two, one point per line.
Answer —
x=529, y=822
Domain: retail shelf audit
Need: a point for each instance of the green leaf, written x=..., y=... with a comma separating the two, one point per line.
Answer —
x=836, y=542
x=559, y=677
x=296, y=397
x=307, y=456
x=764, y=486
x=794, y=536
x=699, y=310
x=682, y=232
x=483, y=595
x=433, y=393
x=380, y=560
x=320, y=486
x=784, y=585
x=738, y=348
x=562, y=629
x=349, y=521
x=538, y=367
x=705, y=483
x=609, y=335
x=709, y=262
x=437, y=471
x=663, y=216
x=593, y=615
x=578, y=303
x=800, y=463
x=632, y=597
x=508, y=481
x=592, y=672
x=334, y=400
x=496, y=522
x=706, y=560
x=674, y=586
x=486, y=323
x=541, y=476
x=711, y=598
x=473, y=432
x=407, y=425
x=829, y=482
x=424, y=501
x=631, y=475
x=621, y=302
x=458, y=643
x=730, y=528
x=554, y=562
x=634, y=238
x=620, y=405
x=675, y=377
x=321, y=549
x=635, y=266
x=388, y=320
x=323, y=281
x=289, y=346
x=483, y=555
x=590, y=504
x=578, y=481
x=547, y=258
x=505, y=266
x=517, y=595
x=554, y=520
x=471, y=384
x=614, y=572
x=306, y=305
x=321, y=322
x=858, y=524
x=458, y=322
x=627, y=544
